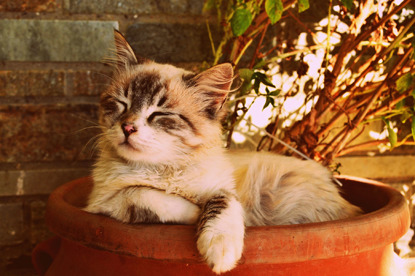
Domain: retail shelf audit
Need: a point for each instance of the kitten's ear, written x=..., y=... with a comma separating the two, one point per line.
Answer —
x=125, y=54
x=213, y=86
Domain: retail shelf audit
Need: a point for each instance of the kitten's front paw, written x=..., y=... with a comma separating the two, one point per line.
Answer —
x=221, y=233
x=221, y=251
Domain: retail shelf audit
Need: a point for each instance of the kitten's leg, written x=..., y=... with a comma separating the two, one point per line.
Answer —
x=221, y=232
x=139, y=204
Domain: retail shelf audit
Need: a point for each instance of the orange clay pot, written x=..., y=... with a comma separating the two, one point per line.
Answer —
x=89, y=244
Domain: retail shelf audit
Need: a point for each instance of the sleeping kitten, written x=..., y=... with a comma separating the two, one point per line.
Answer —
x=161, y=160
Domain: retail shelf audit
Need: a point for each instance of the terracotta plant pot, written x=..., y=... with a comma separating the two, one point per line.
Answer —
x=97, y=245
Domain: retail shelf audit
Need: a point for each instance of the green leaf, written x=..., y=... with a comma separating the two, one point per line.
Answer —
x=256, y=86
x=262, y=78
x=240, y=21
x=208, y=5
x=303, y=5
x=348, y=4
x=269, y=101
x=413, y=127
x=275, y=93
x=392, y=136
x=246, y=74
x=270, y=97
x=245, y=89
x=401, y=104
x=404, y=82
x=274, y=9
x=261, y=63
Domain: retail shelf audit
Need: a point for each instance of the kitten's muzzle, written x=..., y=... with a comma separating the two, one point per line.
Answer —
x=128, y=129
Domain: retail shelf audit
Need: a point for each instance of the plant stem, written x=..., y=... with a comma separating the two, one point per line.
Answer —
x=212, y=45
x=342, y=138
x=368, y=32
x=258, y=47
x=361, y=146
x=328, y=33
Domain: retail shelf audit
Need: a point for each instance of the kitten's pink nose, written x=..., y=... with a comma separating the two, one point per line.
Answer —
x=128, y=129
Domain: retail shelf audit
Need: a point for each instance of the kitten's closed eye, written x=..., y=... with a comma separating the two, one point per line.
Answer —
x=123, y=106
x=168, y=120
x=168, y=123
x=157, y=113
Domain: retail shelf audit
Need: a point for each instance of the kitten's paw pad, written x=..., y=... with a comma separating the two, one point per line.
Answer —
x=221, y=251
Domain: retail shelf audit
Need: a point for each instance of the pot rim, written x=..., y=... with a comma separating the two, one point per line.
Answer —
x=290, y=243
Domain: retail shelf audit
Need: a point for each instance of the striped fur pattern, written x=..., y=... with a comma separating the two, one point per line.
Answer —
x=161, y=161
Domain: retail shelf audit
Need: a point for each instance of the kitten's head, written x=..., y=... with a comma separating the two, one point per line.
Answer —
x=159, y=113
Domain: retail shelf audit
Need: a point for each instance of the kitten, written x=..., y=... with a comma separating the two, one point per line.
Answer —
x=161, y=161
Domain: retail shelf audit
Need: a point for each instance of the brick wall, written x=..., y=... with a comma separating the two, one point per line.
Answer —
x=50, y=78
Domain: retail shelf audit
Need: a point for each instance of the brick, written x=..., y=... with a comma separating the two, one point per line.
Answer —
x=38, y=229
x=88, y=83
x=31, y=83
x=170, y=42
x=28, y=5
x=47, y=132
x=190, y=7
x=12, y=223
x=45, y=181
x=38, y=181
x=55, y=40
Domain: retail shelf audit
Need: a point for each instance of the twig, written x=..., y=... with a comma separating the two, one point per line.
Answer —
x=328, y=34
x=392, y=103
x=361, y=146
x=369, y=144
x=259, y=44
x=367, y=33
x=363, y=114
x=212, y=45
x=302, y=25
x=344, y=137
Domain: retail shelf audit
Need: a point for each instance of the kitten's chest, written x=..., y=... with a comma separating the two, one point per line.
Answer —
x=173, y=182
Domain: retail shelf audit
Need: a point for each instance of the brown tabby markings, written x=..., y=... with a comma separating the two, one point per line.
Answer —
x=162, y=101
x=141, y=215
x=189, y=123
x=108, y=103
x=211, y=210
x=189, y=80
x=144, y=89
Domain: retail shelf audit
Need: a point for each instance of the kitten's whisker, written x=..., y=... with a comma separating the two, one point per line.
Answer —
x=105, y=75
x=95, y=142
x=95, y=123
x=89, y=127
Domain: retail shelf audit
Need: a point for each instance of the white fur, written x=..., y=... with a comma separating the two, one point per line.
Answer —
x=169, y=208
x=278, y=190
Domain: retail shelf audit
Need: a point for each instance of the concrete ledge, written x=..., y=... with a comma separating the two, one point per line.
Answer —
x=55, y=40
x=134, y=6
x=37, y=182
x=378, y=166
